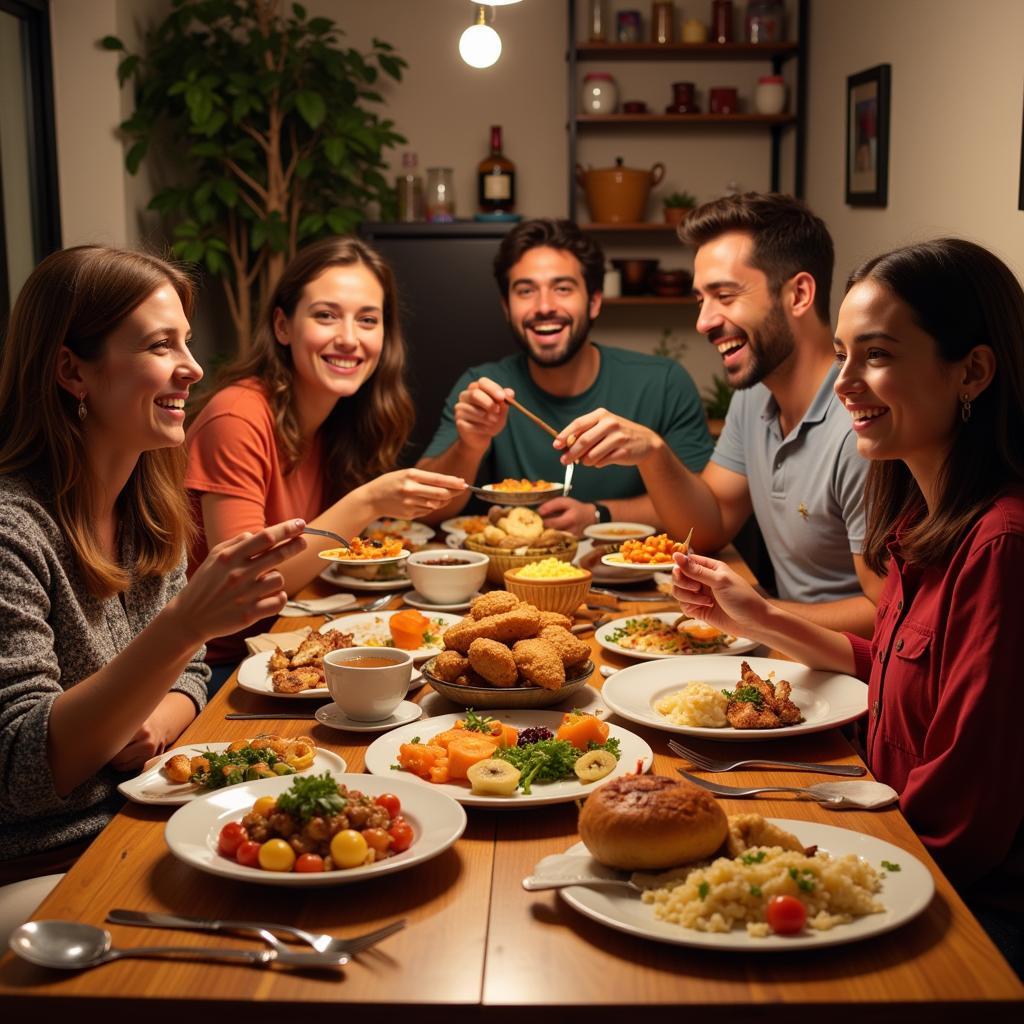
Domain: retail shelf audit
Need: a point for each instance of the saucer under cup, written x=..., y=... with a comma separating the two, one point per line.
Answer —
x=368, y=683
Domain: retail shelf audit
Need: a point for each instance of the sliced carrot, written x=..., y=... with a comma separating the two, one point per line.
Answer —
x=407, y=629
x=419, y=758
x=509, y=735
x=581, y=730
x=465, y=751
x=439, y=772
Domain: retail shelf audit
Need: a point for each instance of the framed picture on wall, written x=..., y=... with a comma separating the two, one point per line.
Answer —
x=867, y=137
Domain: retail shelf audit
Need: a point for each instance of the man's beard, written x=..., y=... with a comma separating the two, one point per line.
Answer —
x=769, y=347
x=576, y=340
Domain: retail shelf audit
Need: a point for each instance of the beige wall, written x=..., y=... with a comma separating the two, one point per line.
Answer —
x=954, y=156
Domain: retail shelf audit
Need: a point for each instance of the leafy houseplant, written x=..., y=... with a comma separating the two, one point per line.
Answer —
x=677, y=206
x=717, y=397
x=275, y=142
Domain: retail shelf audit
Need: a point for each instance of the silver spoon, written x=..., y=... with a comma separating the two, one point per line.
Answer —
x=330, y=535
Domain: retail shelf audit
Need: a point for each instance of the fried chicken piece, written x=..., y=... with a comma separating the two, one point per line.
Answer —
x=507, y=627
x=470, y=678
x=494, y=603
x=296, y=680
x=335, y=640
x=572, y=650
x=539, y=662
x=494, y=661
x=449, y=665
x=749, y=830
x=178, y=768
x=279, y=660
x=776, y=708
x=310, y=652
x=554, y=619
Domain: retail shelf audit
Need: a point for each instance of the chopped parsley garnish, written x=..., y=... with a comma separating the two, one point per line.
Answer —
x=755, y=890
x=805, y=884
x=889, y=866
x=477, y=723
x=754, y=858
x=311, y=797
x=746, y=695
x=231, y=766
x=703, y=889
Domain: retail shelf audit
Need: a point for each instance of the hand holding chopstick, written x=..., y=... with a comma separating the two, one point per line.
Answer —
x=536, y=419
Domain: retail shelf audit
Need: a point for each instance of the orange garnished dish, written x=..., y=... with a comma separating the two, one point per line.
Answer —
x=367, y=550
x=510, y=484
x=655, y=550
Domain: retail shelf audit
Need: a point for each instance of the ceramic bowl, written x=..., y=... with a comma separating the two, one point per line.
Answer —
x=562, y=595
x=494, y=697
x=439, y=581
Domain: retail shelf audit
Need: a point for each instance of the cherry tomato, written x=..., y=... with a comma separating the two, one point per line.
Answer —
x=248, y=853
x=401, y=835
x=348, y=848
x=265, y=806
x=390, y=803
x=232, y=835
x=276, y=855
x=309, y=862
x=785, y=915
x=377, y=839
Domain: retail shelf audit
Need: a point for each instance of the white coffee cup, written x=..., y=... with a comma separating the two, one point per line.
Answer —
x=368, y=683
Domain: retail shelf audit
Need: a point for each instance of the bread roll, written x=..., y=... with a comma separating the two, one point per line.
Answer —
x=651, y=823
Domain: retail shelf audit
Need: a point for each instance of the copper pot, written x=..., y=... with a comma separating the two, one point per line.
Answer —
x=618, y=195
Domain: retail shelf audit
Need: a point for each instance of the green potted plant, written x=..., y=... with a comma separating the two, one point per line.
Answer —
x=677, y=206
x=275, y=138
x=717, y=397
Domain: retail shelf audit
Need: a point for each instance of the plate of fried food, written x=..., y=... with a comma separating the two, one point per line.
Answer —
x=667, y=635
x=518, y=492
x=720, y=697
x=365, y=559
x=183, y=774
x=509, y=654
x=739, y=882
x=409, y=533
x=644, y=555
x=407, y=629
x=294, y=672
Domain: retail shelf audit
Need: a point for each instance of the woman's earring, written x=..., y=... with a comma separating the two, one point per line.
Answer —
x=965, y=407
x=82, y=410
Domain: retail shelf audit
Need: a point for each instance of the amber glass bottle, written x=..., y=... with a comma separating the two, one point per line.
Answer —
x=496, y=179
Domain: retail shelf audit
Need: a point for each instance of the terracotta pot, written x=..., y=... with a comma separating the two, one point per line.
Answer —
x=676, y=214
x=636, y=275
x=618, y=195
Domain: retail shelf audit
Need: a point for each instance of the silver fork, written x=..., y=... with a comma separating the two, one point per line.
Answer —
x=329, y=534
x=834, y=799
x=327, y=945
x=711, y=764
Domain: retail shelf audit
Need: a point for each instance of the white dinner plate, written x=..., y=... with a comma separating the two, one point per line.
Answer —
x=616, y=532
x=586, y=699
x=370, y=629
x=363, y=562
x=603, y=635
x=603, y=573
x=153, y=787
x=416, y=600
x=826, y=699
x=905, y=893
x=458, y=524
x=191, y=833
x=382, y=753
x=334, y=718
x=334, y=575
x=408, y=529
x=514, y=499
x=616, y=561
x=254, y=676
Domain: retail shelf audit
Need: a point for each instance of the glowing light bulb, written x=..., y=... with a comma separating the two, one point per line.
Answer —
x=480, y=46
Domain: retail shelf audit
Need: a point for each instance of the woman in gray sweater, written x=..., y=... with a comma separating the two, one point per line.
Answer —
x=101, y=640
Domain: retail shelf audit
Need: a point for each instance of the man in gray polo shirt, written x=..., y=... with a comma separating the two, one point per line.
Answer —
x=763, y=273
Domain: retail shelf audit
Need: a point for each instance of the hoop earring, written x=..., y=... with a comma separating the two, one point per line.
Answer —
x=82, y=409
x=965, y=407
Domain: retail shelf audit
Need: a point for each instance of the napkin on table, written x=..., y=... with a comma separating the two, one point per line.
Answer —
x=319, y=606
x=268, y=641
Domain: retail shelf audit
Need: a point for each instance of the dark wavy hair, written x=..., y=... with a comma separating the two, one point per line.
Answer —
x=962, y=296
x=555, y=234
x=365, y=433
x=788, y=238
x=77, y=298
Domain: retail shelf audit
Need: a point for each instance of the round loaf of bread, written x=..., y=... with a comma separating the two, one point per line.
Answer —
x=651, y=823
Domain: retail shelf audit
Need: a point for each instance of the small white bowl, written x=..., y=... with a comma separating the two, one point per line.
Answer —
x=447, y=583
x=369, y=568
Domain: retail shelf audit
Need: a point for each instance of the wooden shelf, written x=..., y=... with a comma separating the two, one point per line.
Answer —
x=647, y=227
x=650, y=300
x=690, y=120
x=686, y=51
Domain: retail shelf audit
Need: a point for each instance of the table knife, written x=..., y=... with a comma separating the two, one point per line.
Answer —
x=274, y=714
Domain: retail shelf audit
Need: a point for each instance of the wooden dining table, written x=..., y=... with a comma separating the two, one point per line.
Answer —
x=477, y=946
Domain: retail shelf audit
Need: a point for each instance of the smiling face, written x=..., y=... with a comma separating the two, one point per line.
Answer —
x=335, y=334
x=739, y=314
x=548, y=308
x=135, y=392
x=902, y=395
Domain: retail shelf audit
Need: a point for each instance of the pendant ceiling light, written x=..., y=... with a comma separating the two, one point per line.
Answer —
x=480, y=44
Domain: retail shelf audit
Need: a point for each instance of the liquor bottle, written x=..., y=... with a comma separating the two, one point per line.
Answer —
x=496, y=179
x=410, y=191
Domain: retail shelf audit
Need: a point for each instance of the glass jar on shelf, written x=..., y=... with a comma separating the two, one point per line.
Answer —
x=770, y=95
x=600, y=94
x=765, y=21
x=440, y=198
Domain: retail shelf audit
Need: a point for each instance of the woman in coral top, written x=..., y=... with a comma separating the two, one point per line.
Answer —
x=310, y=421
x=931, y=342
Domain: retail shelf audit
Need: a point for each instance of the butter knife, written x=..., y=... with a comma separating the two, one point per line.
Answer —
x=567, y=482
x=297, y=715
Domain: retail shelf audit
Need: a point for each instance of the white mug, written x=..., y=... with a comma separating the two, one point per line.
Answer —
x=368, y=692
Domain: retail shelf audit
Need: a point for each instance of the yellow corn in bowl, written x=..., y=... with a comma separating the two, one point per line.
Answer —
x=562, y=594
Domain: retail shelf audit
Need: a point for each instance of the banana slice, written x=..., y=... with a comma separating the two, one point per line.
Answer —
x=493, y=777
x=594, y=765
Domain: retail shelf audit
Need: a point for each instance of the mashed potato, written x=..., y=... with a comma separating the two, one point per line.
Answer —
x=695, y=704
x=727, y=892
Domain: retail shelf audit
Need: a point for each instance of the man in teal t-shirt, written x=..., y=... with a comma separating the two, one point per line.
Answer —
x=550, y=276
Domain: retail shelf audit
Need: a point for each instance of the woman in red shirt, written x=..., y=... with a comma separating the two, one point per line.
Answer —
x=931, y=342
x=310, y=421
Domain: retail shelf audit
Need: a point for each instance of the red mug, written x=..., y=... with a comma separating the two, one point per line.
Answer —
x=723, y=100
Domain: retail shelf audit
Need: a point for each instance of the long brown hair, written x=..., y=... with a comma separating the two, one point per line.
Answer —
x=364, y=434
x=76, y=298
x=962, y=296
